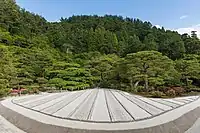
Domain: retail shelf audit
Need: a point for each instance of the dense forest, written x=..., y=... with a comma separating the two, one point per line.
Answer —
x=84, y=51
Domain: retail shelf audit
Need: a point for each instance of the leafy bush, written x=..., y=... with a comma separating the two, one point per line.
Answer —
x=33, y=90
x=25, y=92
x=178, y=90
x=194, y=89
x=138, y=89
x=157, y=94
x=171, y=93
x=3, y=92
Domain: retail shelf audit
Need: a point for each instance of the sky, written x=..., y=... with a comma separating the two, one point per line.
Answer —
x=180, y=15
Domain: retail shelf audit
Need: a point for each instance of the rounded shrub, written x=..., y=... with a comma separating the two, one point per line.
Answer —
x=157, y=94
x=171, y=93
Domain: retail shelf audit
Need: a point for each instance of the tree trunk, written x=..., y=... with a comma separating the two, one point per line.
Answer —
x=19, y=91
x=146, y=86
x=101, y=79
x=136, y=84
x=187, y=82
x=67, y=51
x=131, y=83
x=146, y=66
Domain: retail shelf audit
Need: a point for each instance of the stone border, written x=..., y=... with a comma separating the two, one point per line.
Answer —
x=179, y=125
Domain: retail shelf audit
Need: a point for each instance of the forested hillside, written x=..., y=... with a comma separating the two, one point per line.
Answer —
x=88, y=51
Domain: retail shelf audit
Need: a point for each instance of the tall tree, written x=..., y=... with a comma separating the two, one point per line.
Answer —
x=134, y=45
x=188, y=68
x=148, y=66
x=172, y=45
x=150, y=43
x=101, y=67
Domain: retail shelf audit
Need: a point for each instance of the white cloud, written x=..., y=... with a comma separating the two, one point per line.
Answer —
x=189, y=29
x=158, y=26
x=184, y=16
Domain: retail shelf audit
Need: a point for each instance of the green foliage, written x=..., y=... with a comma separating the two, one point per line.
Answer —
x=69, y=76
x=157, y=94
x=150, y=67
x=7, y=70
x=57, y=82
x=101, y=68
x=150, y=42
x=188, y=68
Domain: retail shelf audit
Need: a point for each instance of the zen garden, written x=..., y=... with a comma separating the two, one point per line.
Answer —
x=97, y=73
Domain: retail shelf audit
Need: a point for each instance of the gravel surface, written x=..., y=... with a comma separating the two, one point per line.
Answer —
x=100, y=105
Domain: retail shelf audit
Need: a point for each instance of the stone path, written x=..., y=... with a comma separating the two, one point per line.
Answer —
x=7, y=127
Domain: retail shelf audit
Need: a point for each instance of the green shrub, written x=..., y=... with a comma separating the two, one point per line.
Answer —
x=4, y=92
x=194, y=89
x=33, y=90
x=25, y=92
x=157, y=94
x=138, y=89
